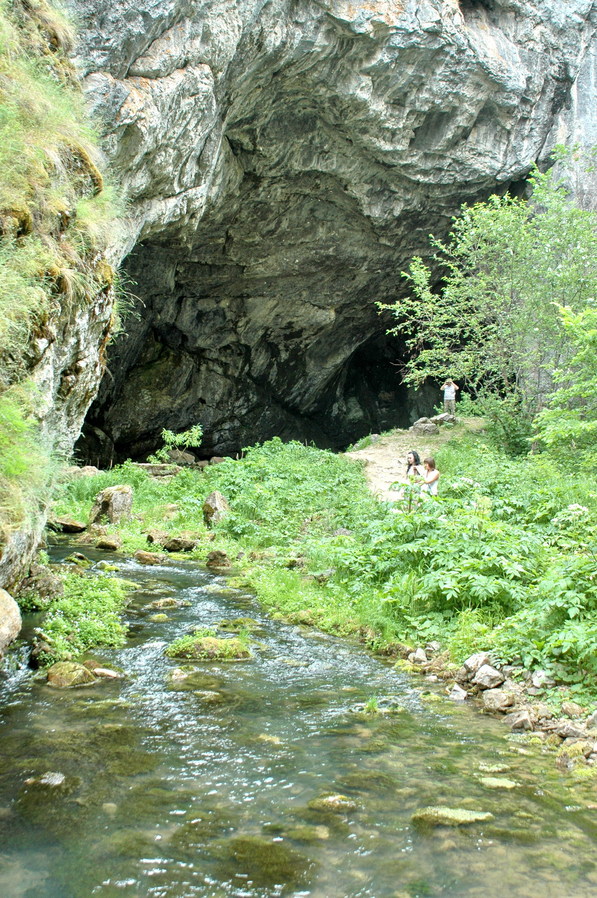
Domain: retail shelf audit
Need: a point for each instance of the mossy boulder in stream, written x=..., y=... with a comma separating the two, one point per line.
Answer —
x=435, y=816
x=204, y=645
x=238, y=624
x=266, y=862
x=70, y=673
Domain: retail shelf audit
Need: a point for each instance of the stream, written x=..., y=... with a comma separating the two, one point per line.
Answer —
x=215, y=785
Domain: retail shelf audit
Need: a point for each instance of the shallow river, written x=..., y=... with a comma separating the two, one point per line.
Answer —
x=210, y=786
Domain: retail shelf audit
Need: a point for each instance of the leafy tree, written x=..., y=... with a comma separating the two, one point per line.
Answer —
x=569, y=424
x=491, y=320
x=184, y=440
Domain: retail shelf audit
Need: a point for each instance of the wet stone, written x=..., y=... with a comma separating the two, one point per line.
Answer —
x=168, y=602
x=498, y=782
x=264, y=861
x=148, y=557
x=497, y=699
x=209, y=648
x=334, y=803
x=64, y=674
x=438, y=816
x=238, y=624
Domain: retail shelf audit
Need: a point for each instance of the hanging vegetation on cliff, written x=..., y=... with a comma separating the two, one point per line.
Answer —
x=56, y=215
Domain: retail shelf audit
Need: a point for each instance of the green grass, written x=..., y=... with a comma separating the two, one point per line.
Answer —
x=504, y=560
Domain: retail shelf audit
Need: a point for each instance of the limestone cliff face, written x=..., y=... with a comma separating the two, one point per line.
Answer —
x=284, y=160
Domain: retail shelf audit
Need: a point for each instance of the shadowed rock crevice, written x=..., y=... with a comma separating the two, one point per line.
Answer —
x=284, y=163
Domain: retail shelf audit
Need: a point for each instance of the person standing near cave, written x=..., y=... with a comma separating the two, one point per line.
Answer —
x=449, y=388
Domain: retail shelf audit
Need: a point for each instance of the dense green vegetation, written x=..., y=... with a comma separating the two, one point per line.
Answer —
x=56, y=215
x=504, y=560
x=86, y=614
x=512, y=316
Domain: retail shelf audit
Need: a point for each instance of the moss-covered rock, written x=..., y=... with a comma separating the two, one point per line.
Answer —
x=334, y=803
x=208, y=647
x=69, y=673
x=436, y=816
x=265, y=861
x=238, y=624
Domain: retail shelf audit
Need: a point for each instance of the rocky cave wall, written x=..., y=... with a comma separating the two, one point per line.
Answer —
x=284, y=160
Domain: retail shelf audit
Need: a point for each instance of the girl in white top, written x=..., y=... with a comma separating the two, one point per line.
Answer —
x=430, y=476
x=414, y=467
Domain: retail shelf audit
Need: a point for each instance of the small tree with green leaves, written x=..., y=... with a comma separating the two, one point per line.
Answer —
x=184, y=440
x=491, y=319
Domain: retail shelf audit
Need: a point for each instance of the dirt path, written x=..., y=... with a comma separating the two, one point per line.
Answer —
x=385, y=458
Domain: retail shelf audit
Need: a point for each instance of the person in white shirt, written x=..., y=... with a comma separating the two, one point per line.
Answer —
x=414, y=468
x=449, y=388
x=430, y=476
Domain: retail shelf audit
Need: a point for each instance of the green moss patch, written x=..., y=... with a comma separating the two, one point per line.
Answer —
x=204, y=646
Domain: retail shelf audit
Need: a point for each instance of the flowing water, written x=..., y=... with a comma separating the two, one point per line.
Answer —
x=212, y=785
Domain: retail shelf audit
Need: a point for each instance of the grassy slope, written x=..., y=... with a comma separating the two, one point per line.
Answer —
x=55, y=216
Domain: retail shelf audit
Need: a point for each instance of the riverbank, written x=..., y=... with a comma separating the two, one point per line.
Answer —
x=501, y=564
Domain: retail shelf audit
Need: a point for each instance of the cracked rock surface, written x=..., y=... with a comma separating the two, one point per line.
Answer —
x=284, y=161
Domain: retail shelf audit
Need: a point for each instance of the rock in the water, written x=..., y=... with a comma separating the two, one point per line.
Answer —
x=497, y=782
x=215, y=508
x=107, y=673
x=436, y=816
x=66, y=524
x=209, y=648
x=333, y=803
x=10, y=619
x=110, y=543
x=519, y=720
x=457, y=693
x=69, y=673
x=168, y=602
x=148, y=557
x=114, y=504
x=498, y=699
